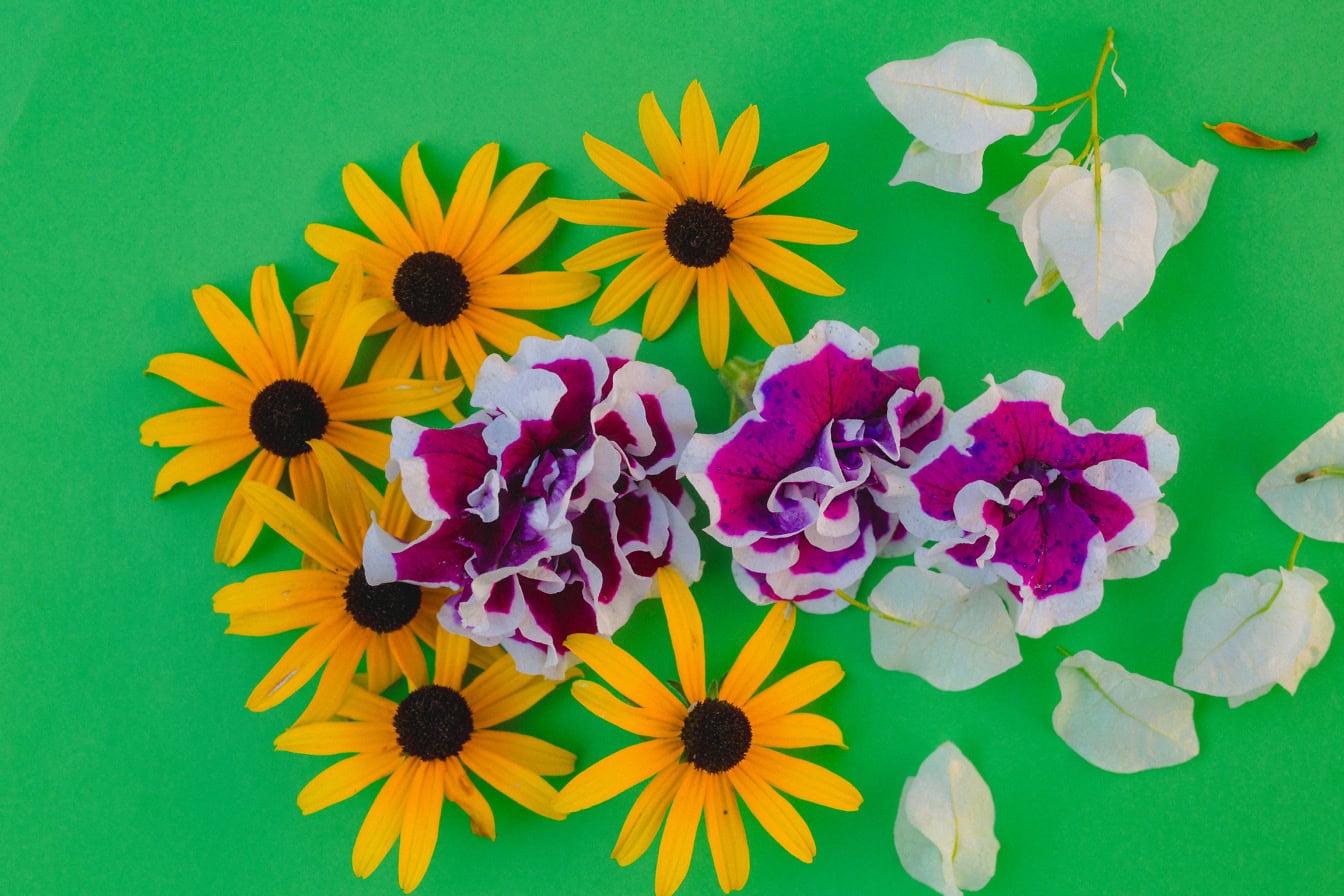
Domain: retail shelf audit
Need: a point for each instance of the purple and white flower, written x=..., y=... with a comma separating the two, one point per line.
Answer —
x=1015, y=494
x=552, y=506
x=797, y=487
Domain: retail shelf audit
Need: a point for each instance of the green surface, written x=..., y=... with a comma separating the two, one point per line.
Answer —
x=147, y=151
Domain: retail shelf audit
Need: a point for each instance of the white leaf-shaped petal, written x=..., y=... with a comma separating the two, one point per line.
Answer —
x=1306, y=488
x=1120, y=721
x=945, y=824
x=1051, y=136
x=1244, y=633
x=955, y=173
x=1047, y=273
x=1134, y=562
x=1102, y=244
x=951, y=636
x=952, y=100
x=1185, y=189
x=1012, y=206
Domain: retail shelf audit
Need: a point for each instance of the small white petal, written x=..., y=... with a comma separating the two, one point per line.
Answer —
x=945, y=824
x=1306, y=488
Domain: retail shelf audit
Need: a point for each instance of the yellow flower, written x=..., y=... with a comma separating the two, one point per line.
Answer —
x=282, y=402
x=449, y=274
x=422, y=746
x=347, y=619
x=704, y=756
x=698, y=226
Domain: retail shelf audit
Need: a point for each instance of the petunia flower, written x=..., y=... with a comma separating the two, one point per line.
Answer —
x=346, y=620
x=797, y=486
x=1015, y=494
x=699, y=227
x=282, y=401
x=450, y=274
x=553, y=505
x=424, y=745
x=708, y=746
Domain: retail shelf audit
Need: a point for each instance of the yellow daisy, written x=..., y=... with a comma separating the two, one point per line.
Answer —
x=423, y=746
x=281, y=402
x=450, y=273
x=698, y=225
x=347, y=619
x=704, y=756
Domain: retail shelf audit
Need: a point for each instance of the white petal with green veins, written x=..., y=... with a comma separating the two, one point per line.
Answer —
x=1306, y=488
x=945, y=824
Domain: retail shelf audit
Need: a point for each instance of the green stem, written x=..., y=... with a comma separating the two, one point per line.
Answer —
x=1317, y=473
x=867, y=609
x=1063, y=651
x=1292, y=558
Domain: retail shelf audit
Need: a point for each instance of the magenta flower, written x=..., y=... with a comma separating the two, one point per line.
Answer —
x=797, y=487
x=553, y=505
x=1014, y=493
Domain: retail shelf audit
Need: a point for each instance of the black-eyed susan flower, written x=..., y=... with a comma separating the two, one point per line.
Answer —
x=703, y=757
x=424, y=746
x=450, y=274
x=699, y=227
x=347, y=620
x=282, y=401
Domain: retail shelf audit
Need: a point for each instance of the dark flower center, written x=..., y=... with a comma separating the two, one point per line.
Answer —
x=431, y=288
x=698, y=234
x=717, y=736
x=381, y=608
x=285, y=415
x=433, y=722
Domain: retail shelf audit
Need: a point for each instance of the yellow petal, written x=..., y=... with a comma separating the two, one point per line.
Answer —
x=269, y=591
x=366, y=444
x=739, y=148
x=386, y=398
x=664, y=147
x=805, y=780
x=350, y=502
x=617, y=773
x=420, y=827
x=514, y=704
x=337, y=347
x=379, y=213
x=776, y=814
x=777, y=181
x=198, y=426
x=496, y=684
x=469, y=200
x=395, y=515
x=274, y=324
x=524, y=786
x=796, y=689
x=335, y=244
x=609, y=212
x=678, y=842
x=532, y=753
x=503, y=204
x=687, y=632
x=799, y=729
x=760, y=655
x=421, y=201
x=310, y=492
x=757, y=305
x=297, y=666
x=409, y=656
x=607, y=706
x=533, y=291
x=299, y=528
x=793, y=229
x=236, y=335
x=503, y=331
x=712, y=292
x=727, y=837
x=450, y=658
x=699, y=141
x=785, y=265
x=630, y=174
x=211, y=381
x=615, y=249
x=458, y=788
x=382, y=825
x=466, y=350
x=240, y=525
x=434, y=352
x=342, y=290
x=632, y=282
x=382, y=671
x=397, y=358
x=347, y=778
x=519, y=240
x=330, y=738
x=337, y=675
x=366, y=707
x=647, y=814
x=286, y=619
x=667, y=300
x=627, y=675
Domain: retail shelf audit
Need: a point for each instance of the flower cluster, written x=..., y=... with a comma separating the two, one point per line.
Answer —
x=553, y=505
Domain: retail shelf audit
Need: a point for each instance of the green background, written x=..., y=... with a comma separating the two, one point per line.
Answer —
x=148, y=150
